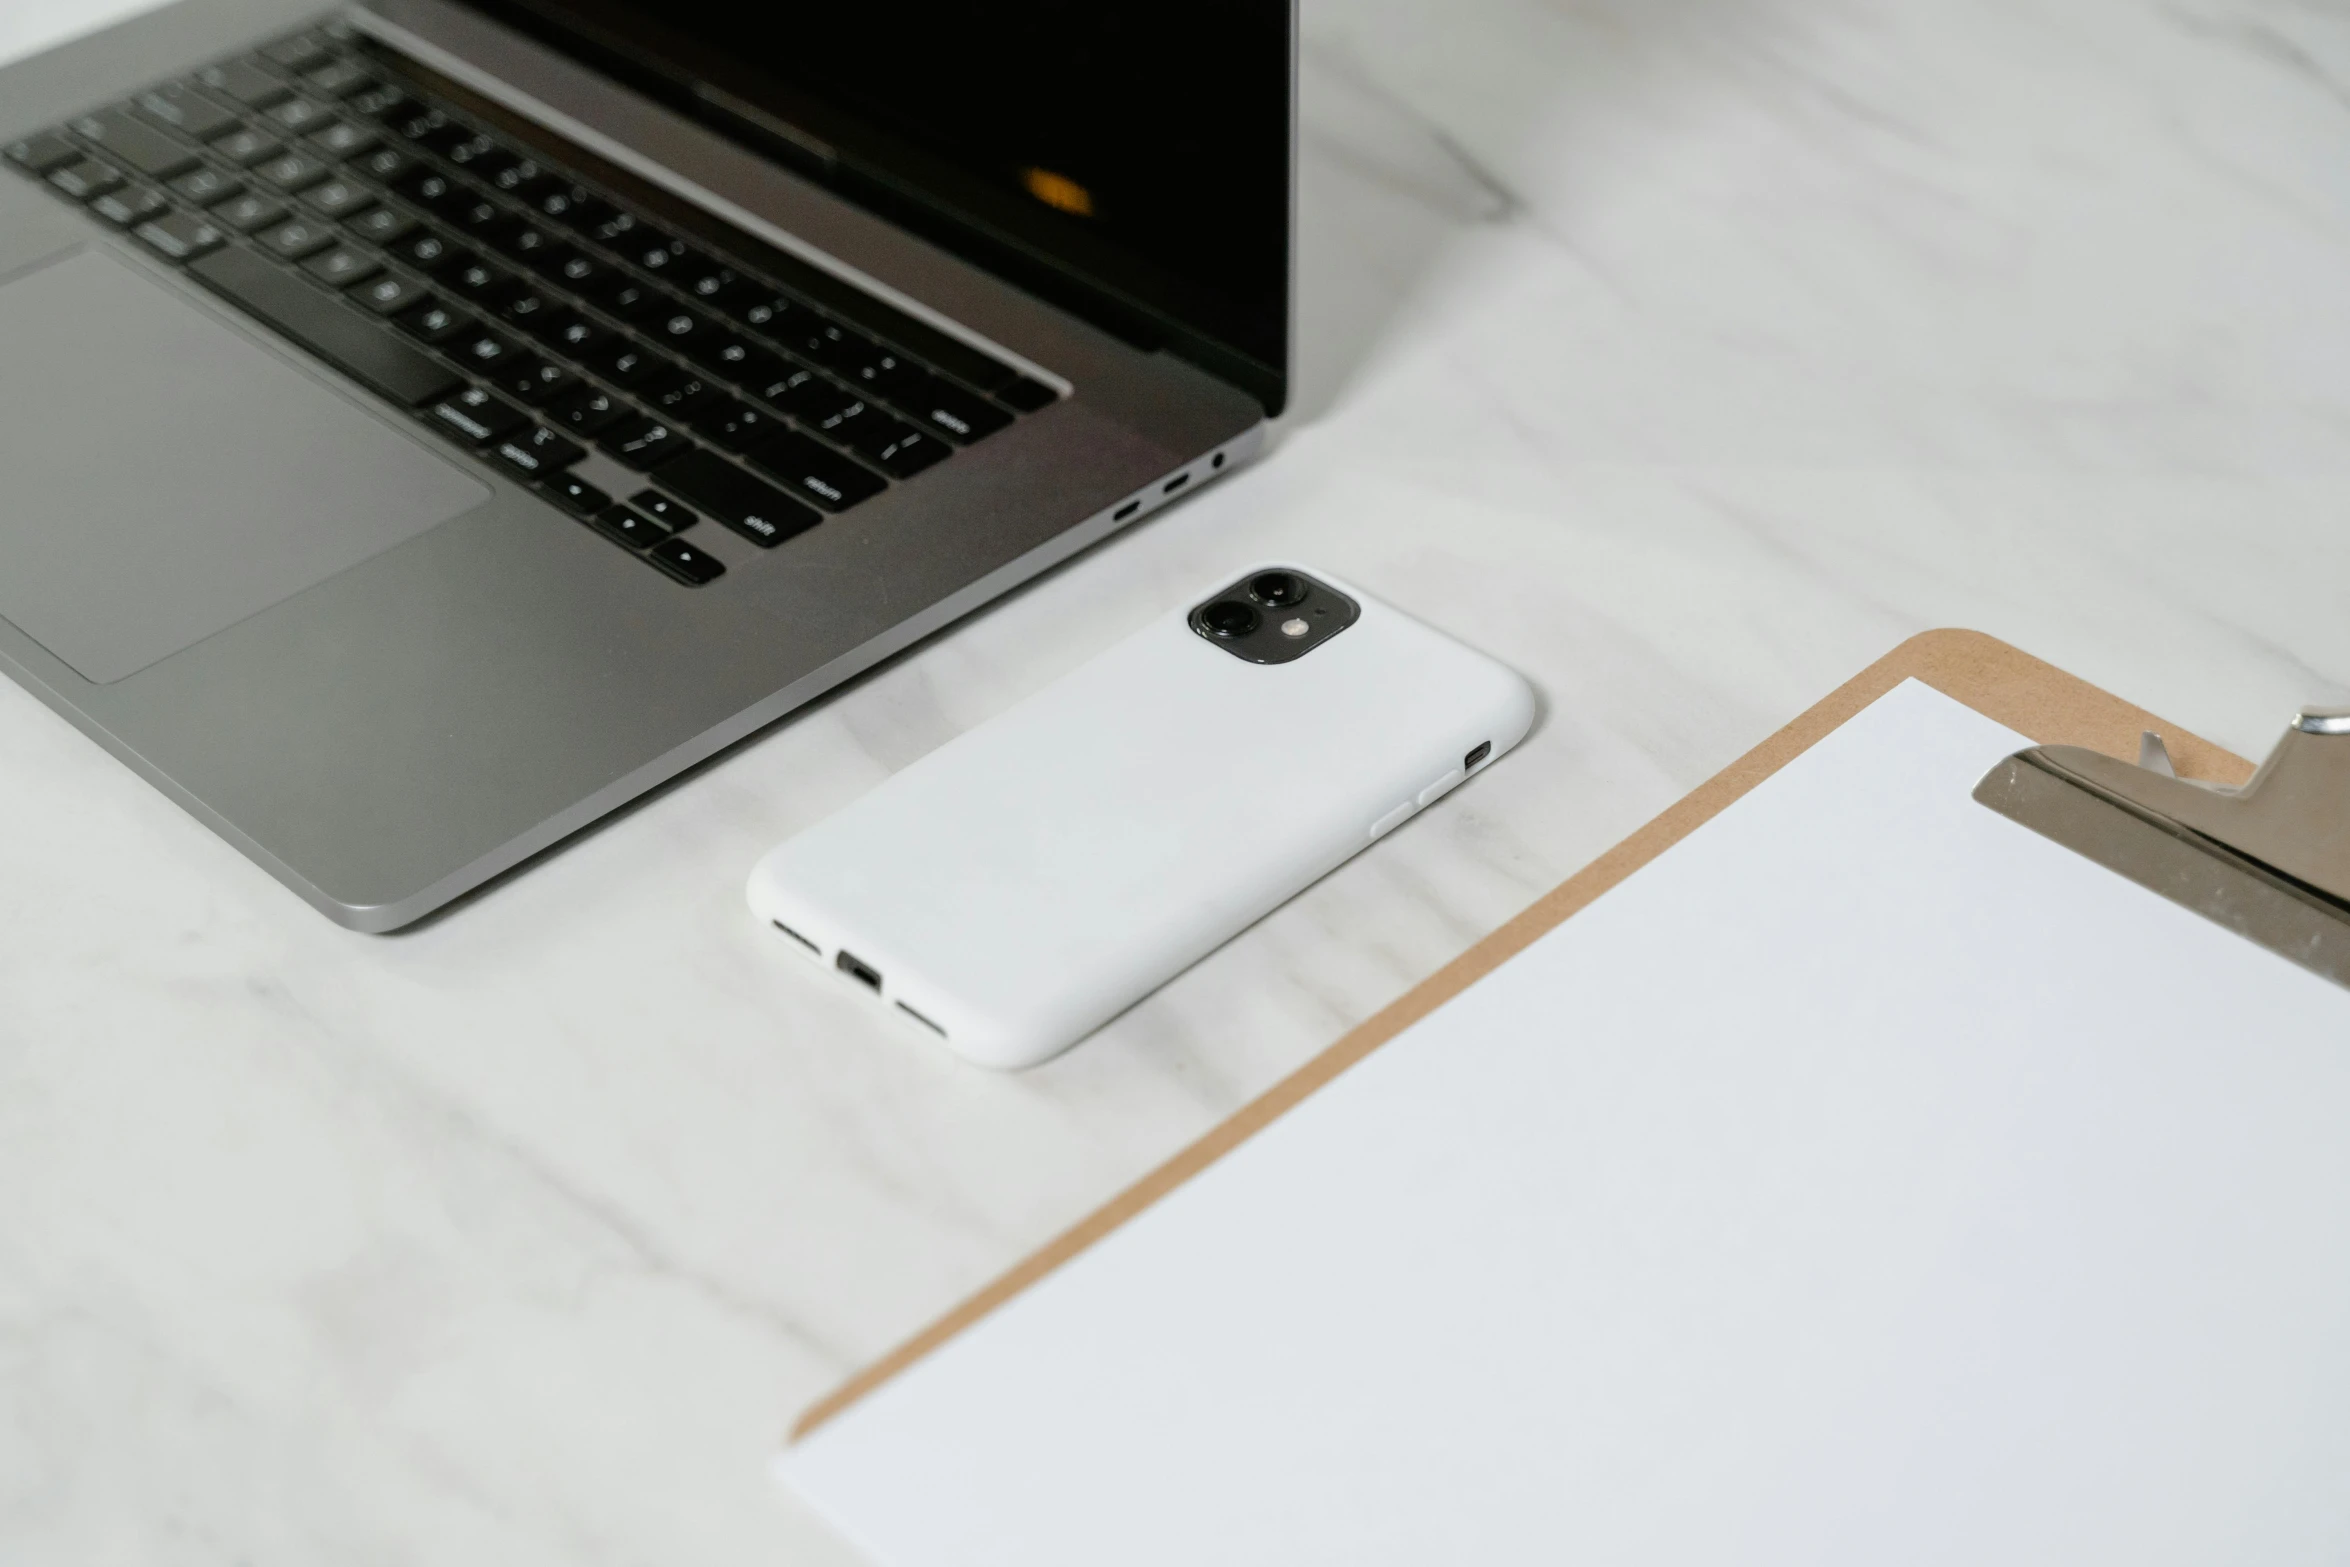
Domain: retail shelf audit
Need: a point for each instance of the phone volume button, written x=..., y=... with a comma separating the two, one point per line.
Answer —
x=1393, y=819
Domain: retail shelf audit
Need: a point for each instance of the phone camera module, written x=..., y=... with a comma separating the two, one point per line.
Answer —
x=1229, y=618
x=1277, y=589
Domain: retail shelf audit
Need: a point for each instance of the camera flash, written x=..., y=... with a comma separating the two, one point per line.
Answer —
x=1294, y=627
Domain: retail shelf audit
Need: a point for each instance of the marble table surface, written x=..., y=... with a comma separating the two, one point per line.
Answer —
x=1687, y=354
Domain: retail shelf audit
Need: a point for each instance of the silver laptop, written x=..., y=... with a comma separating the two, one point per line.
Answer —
x=425, y=427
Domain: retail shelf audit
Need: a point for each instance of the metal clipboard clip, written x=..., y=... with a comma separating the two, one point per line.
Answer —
x=2270, y=861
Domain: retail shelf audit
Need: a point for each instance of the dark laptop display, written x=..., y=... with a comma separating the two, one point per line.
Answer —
x=1112, y=157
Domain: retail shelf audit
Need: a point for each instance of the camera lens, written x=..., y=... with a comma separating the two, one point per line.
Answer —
x=1277, y=589
x=1229, y=618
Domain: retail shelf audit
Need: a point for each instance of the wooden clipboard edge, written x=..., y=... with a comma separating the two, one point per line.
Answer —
x=2002, y=683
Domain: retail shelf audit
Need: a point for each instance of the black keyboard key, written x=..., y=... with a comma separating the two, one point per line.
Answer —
x=482, y=158
x=183, y=109
x=627, y=527
x=290, y=171
x=873, y=433
x=762, y=309
x=830, y=344
x=537, y=452
x=629, y=363
x=360, y=348
x=428, y=252
x=651, y=249
x=731, y=354
x=962, y=416
x=384, y=165
x=129, y=205
x=250, y=210
x=205, y=186
x=342, y=266
x=573, y=334
x=737, y=426
x=586, y=409
x=246, y=146
x=810, y=398
x=246, y=82
x=374, y=102
x=810, y=469
x=909, y=451
x=663, y=510
x=390, y=294
x=687, y=564
x=339, y=79
x=535, y=247
x=380, y=225
x=430, y=189
x=434, y=321
x=141, y=146
x=641, y=442
x=751, y=367
x=618, y=230
x=701, y=277
x=343, y=141
x=1027, y=396
x=549, y=261
x=412, y=121
x=534, y=380
x=679, y=394
x=575, y=207
x=634, y=302
x=893, y=377
x=181, y=236
x=305, y=52
x=86, y=178
x=297, y=238
x=528, y=308
x=475, y=416
x=483, y=349
x=43, y=152
x=485, y=220
x=575, y=494
x=302, y=116
x=338, y=198
x=485, y=283
x=751, y=507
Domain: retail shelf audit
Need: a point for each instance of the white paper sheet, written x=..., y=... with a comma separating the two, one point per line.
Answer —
x=1866, y=1180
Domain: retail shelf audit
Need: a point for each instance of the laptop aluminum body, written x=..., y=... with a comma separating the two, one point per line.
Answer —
x=388, y=670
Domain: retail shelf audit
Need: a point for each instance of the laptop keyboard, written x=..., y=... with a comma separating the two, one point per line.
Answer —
x=528, y=307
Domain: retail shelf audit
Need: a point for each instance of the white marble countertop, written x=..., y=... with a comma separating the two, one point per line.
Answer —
x=1686, y=355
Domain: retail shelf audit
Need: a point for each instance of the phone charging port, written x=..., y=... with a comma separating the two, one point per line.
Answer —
x=857, y=968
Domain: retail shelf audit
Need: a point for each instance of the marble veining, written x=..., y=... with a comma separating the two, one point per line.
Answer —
x=1687, y=354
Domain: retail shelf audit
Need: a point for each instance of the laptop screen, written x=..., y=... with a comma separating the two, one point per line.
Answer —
x=1130, y=162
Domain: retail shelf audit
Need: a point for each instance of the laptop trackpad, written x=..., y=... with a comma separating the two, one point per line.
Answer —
x=165, y=478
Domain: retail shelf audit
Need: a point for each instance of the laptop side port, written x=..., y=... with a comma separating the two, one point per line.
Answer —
x=857, y=969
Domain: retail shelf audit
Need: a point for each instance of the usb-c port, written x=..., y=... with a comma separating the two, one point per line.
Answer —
x=1174, y=484
x=1126, y=511
x=1477, y=753
x=857, y=968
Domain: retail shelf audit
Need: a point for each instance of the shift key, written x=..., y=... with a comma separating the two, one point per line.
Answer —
x=751, y=507
x=353, y=344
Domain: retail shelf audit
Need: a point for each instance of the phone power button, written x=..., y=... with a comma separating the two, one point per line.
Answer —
x=1393, y=819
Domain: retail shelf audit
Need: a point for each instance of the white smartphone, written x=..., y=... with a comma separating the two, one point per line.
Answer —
x=1034, y=877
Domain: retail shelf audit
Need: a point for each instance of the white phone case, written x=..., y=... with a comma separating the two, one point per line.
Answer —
x=1032, y=878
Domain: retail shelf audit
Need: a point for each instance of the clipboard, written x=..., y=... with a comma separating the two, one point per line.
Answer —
x=1998, y=681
